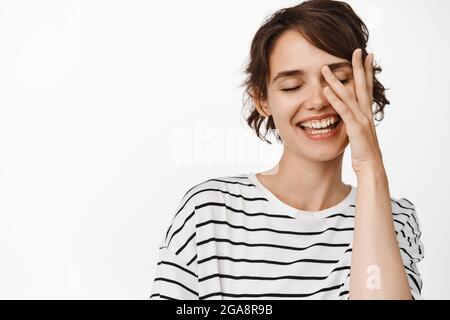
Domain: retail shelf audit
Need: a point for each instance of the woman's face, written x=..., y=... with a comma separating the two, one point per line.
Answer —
x=305, y=97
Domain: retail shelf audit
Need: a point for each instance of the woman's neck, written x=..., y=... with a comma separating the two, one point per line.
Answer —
x=306, y=185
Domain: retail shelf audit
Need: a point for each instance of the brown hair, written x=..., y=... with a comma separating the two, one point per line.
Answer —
x=331, y=26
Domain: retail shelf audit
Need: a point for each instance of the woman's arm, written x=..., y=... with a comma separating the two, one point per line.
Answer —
x=377, y=270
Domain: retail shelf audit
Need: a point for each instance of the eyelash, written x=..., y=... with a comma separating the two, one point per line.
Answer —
x=295, y=88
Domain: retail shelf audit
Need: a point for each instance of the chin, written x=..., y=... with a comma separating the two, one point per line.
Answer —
x=323, y=156
x=321, y=151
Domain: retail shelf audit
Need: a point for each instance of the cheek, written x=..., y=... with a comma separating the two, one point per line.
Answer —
x=284, y=108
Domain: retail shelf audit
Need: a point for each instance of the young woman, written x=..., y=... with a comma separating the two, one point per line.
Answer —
x=297, y=231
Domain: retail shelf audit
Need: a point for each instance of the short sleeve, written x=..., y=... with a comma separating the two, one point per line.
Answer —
x=411, y=247
x=176, y=269
x=174, y=279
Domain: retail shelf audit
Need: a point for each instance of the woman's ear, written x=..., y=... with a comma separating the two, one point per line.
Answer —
x=261, y=105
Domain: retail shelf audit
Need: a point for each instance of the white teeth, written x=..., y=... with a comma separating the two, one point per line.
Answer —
x=323, y=131
x=319, y=124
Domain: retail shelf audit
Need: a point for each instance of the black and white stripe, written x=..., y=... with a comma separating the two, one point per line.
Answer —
x=229, y=240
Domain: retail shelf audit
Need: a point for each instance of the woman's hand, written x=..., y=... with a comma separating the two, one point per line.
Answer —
x=356, y=112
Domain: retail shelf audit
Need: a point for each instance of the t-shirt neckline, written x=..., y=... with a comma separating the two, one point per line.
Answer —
x=303, y=214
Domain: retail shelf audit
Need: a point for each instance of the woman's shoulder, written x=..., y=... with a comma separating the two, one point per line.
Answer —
x=181, y=231
x=215, y=187
x=402, y=204
x=404, y=214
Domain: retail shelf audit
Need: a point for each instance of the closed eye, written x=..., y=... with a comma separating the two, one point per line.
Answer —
x=344, y=81
x=291, y=89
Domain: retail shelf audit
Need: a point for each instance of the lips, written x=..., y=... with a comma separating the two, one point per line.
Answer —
x=314, y=135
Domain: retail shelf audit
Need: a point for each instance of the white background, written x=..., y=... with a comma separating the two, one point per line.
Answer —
x=111, y=110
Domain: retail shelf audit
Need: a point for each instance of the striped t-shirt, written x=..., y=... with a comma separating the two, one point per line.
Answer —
x=231, y=238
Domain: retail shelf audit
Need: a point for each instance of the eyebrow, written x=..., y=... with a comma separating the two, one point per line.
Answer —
x=300, y=72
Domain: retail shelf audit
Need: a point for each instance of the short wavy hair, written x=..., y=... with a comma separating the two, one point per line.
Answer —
x=331, y=26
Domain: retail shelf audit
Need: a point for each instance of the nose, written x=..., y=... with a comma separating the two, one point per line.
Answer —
x=315, y=96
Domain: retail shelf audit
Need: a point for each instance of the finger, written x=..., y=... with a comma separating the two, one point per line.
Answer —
x=344, y=111
x=369, y=78
x=360, y=82
x=343, y=93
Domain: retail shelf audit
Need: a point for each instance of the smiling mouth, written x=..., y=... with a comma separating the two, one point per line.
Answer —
x=313, y=130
